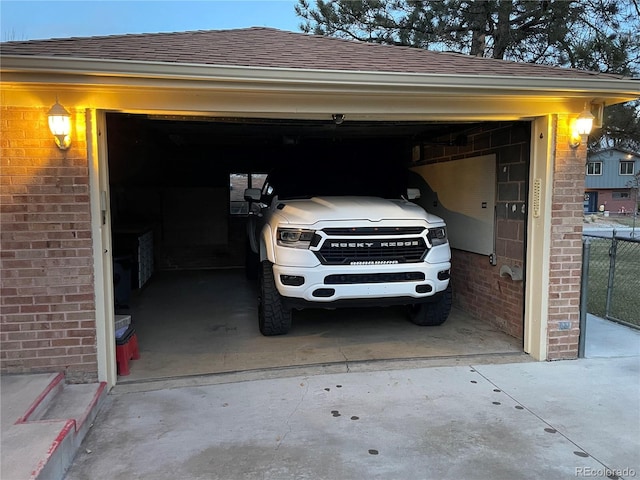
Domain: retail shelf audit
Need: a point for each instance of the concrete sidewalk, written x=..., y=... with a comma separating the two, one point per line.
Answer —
x=43, y=422
x=524, y=420
x=605, y=338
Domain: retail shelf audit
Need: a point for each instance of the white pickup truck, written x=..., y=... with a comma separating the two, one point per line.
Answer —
x=332, y=242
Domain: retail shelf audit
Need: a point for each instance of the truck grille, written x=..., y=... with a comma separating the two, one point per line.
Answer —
x=373, y=251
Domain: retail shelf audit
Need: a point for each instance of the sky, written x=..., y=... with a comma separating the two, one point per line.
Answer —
x=30, y=20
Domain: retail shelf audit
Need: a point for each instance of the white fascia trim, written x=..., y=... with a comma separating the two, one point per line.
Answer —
x=126, y=69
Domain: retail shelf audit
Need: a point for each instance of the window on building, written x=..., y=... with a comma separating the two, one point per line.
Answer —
x=594, y=168
x=626, y=168
x=238, y=183
x=620, y=195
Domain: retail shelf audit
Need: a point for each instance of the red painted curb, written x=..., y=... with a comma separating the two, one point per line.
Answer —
x=36, y=403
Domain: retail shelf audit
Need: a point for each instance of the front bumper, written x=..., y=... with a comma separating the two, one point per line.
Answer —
x=317, y=291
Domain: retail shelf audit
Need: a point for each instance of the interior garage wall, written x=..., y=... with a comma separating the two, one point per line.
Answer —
x=477, y=285
x=47, y=296
x=179, y=193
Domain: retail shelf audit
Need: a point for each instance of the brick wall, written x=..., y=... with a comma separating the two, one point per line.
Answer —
x=478, y=287
x=566, y=246
x=47, y=297
x=616, y=206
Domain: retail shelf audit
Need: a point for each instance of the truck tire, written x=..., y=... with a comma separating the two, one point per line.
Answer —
x=433, y=313
x=274, y=318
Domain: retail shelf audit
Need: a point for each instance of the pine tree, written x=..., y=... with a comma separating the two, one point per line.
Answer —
x=594, y=35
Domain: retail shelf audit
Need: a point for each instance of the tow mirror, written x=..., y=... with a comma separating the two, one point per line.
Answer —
x=413, y=193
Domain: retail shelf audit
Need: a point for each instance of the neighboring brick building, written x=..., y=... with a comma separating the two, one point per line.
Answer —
x=56, y=239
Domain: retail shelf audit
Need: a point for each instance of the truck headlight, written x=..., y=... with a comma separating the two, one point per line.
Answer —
x=437, y=236
x=295, y=237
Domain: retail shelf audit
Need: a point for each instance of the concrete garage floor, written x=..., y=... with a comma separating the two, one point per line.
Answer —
x=205, y=322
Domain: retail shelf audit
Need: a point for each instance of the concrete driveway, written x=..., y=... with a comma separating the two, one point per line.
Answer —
x=524, y=420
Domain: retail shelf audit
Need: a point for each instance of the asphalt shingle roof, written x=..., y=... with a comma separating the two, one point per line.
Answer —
x=268, y=47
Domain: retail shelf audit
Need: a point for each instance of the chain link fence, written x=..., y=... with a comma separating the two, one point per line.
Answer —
x=613, y=278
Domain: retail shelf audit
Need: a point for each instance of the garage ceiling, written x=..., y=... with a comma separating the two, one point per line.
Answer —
x=218, y=131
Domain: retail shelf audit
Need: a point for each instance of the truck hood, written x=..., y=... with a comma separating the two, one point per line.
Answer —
x=312, y=210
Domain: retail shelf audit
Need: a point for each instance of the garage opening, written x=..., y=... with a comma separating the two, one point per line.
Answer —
x=179, y=239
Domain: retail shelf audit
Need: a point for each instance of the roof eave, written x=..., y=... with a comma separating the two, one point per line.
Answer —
x=601, y=87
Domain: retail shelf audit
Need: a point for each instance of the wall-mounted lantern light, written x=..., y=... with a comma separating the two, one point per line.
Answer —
x=60, y=125
x=581, y=128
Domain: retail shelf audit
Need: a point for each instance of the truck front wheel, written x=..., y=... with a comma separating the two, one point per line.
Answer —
x=274, y=318
x=432, y=313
